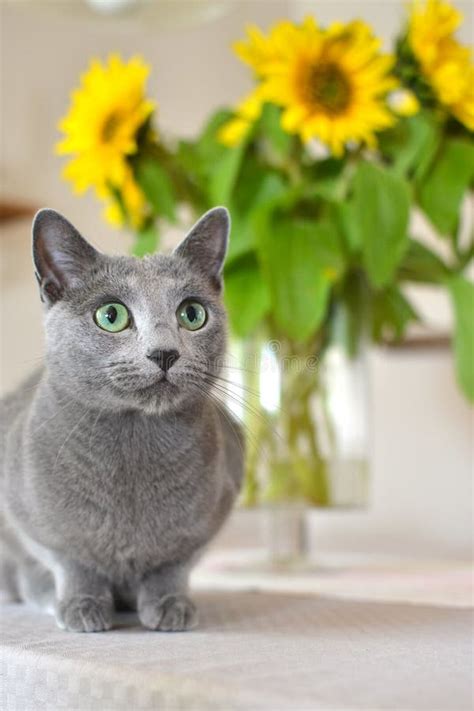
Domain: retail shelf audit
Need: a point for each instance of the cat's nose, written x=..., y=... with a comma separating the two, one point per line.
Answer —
x=165, y=359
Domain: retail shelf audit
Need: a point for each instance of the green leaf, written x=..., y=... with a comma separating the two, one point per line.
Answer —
x=462, y=295
x=327, y=247
x=270, y=126
x=381, y=211
x=259, y=191
x=189, y=161
x=441, y=193
x=187, y=156
x=246, y=295
x=420, y=264
x=224, y=174
x=207, y=144
x=325, y=178
x=349, y=228
x=218, y=165
x=157, y=187
x=431, y=136
x=411, y=144
x=391, y=313
x=146, y=241
x=298, y=285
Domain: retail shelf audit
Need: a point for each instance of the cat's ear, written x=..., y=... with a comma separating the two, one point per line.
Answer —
x=205, y=245
x=61, y=256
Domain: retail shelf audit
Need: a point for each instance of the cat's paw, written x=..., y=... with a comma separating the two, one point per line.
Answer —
x=170, y=613
x=84, y=613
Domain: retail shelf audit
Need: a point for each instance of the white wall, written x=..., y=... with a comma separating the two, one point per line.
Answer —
x=422, y=465
x=422, y=459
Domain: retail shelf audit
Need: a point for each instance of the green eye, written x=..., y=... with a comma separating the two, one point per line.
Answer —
x=191, y=315
x=112, y=317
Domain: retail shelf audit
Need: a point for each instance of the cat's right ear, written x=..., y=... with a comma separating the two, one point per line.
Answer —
x=61, y=256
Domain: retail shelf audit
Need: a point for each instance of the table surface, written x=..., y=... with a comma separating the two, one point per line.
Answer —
x=262, y=649
x=349, y=576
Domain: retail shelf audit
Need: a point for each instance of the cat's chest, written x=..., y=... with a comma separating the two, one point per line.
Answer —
x=126, y=455
x=140, y=522
x=131, y=494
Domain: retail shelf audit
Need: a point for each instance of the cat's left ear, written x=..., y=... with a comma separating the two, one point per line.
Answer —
x=205, y=245
x=61, y=256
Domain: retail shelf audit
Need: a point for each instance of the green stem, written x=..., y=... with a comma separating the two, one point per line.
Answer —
x=305, y=466
x=321, y=484
x=253, y=424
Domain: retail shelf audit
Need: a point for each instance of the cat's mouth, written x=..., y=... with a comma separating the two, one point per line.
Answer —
x=162, y=383
x=158, y=386
x=153, y=392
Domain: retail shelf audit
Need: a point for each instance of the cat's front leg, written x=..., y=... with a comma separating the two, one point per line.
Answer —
x=162, y=601
x=85, y=601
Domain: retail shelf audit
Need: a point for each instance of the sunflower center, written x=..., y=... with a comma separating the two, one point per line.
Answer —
x=328, y=88
x=109, y=129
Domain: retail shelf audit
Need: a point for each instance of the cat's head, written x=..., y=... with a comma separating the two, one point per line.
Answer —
x=126, y=333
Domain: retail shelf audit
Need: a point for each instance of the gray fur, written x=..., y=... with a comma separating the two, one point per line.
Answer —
x=116, y=475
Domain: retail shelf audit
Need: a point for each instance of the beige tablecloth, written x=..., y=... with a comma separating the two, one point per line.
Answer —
x=252, y=651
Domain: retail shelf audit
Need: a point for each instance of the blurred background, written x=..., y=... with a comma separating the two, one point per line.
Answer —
x=420, y=426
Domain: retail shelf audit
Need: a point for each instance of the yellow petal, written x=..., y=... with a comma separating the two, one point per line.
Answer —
x=104, y=117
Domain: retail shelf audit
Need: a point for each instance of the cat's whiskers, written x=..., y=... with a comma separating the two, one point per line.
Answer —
x=224, y=401
x=127, y=378
x=101, y=411
x=70, y=433
x=251, y=391
x=113, y=363
x=58, y=412
x=224, y=386
x=237, y=368
x=240, y=400
x=102, y=407
x=231, y=383
x=223, y=409
x=247, y=389
x=249, y=436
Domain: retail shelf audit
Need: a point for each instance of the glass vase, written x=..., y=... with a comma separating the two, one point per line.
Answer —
x=307, y=422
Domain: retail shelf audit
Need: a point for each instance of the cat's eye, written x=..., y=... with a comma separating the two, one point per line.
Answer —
x=191, y=315
x=113, y=317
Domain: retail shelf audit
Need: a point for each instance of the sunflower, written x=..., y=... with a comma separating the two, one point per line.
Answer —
x=246, y=113
x=445, y=64
x=128, y=206
x=331, y=83
x=100, y=129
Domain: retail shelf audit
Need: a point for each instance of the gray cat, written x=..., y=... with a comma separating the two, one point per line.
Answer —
x=118, y=464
